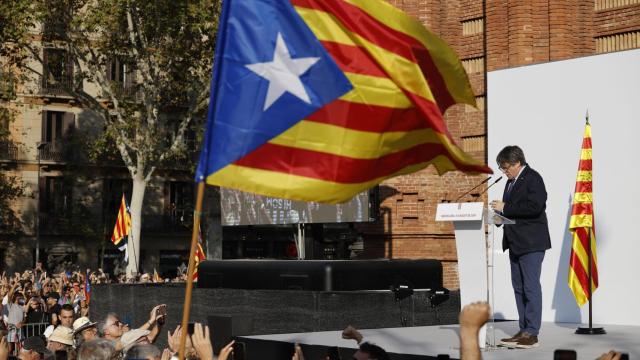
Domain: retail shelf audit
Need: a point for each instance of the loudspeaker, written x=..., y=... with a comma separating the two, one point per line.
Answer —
x=223, y=328
x=319, y=275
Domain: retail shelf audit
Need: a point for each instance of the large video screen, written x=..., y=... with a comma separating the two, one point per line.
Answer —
x=241, y=208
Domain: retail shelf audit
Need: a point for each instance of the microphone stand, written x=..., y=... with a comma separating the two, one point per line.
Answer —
x=473, y=188
x=488, y=187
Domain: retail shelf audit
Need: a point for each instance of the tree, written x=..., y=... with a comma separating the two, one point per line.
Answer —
x=150, y=62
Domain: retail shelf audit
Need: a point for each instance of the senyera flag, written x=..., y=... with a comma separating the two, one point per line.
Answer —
x=122, y=229
x=199, y=256
x=318, y=100
x=582, y=227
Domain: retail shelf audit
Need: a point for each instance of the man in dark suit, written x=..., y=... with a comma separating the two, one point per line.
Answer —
x=524, y=200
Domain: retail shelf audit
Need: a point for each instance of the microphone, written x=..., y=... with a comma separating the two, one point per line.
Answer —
x=493, y=183
x=473, y=188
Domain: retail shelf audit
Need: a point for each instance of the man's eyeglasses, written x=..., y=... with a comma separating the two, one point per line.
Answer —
x=504, y=168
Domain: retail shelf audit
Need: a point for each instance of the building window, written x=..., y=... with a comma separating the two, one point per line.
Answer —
x=121, y=75
x=56, y=23
x=57, y=74
x=56, y=127
x=180, y=201
x=57, y=197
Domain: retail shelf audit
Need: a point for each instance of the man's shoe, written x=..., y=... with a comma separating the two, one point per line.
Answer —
x=512, y=341
x=527, y=341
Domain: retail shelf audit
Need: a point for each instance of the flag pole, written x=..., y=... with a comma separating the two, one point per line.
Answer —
x=590, y=330
x=187, y=298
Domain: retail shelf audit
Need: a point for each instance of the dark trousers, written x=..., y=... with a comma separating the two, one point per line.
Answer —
x=525, y=278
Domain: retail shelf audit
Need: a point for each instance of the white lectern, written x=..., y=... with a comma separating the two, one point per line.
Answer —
x=469, y=221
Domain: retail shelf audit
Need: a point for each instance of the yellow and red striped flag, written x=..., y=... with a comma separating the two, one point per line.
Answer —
x=123, y=223
x=582, y=227
x=199, y=256
x=384, y=117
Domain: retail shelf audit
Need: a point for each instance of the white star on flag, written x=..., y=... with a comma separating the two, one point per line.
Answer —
x=283, y=74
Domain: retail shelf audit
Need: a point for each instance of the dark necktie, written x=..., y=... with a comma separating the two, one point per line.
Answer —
x=510, y=186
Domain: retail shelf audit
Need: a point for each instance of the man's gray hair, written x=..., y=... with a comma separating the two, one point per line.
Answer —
x=102, y=325
x=143, y=351
x=98, y=349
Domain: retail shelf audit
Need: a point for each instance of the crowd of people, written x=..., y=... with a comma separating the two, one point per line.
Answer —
x=47, y=317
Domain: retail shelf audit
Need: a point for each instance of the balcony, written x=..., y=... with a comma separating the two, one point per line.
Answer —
x=51, y=152
x=56, y=87
x=7, y=85
x=9, y=151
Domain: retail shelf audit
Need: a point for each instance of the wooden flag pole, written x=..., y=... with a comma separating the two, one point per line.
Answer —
x=187, y=297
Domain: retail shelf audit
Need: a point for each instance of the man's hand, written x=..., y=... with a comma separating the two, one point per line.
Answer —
x=153, y=315
x=611, y=355
x=201, y=342
x=166, y=354
x=474, y=315
x=497, y=205
x=225, y=351
x=351, y=333
x=297, y=353
x=173, y=339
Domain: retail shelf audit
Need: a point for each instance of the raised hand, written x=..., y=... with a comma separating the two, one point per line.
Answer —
x=201, y=342
x=474, y=315
x=225, y=351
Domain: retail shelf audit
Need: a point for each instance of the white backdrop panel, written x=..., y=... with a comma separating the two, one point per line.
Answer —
x=541, y=108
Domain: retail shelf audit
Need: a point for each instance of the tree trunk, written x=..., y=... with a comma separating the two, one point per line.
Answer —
x=213, y=222
x=133, y=246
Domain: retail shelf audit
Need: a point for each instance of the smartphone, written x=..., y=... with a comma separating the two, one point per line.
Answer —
x=239, y=352
x=162, y=311
x=190, y=327
x=333, y=353
x=624, y=356
x=565, y=355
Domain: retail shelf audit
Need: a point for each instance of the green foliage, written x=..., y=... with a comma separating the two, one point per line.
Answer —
x=150, y=62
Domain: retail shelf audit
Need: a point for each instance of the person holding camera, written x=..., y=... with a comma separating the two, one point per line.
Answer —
x=14, y=311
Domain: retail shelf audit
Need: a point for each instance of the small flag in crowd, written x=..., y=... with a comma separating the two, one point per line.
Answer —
x=156, y=276
x=582, y=227
x=87, y=287
x=122, y=229
x=318, y=100
x=199, y=256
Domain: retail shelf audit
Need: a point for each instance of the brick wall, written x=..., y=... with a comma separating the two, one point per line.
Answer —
x=518, y=32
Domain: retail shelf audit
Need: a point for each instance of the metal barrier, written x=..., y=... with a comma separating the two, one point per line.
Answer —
x=34, y=329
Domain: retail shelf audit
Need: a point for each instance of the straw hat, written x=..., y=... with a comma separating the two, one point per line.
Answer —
x=63, y=335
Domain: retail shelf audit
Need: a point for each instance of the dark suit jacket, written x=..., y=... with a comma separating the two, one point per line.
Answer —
x=526, y=204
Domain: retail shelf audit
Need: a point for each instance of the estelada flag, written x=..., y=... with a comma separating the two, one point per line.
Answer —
x=582, y=227
x=122, y=228
x=318, y=100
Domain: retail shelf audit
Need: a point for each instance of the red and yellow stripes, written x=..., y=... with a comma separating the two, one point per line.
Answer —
x=582, y=228
x=390, y=124
x=199, y=256
x=123, y=223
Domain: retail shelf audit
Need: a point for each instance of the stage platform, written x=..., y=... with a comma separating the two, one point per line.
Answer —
x=429, y=341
